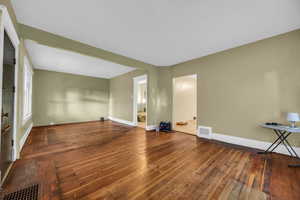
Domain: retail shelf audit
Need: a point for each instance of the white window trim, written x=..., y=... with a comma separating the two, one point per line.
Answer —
x=27, y=116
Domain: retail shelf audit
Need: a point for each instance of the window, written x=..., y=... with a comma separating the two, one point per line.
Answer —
x=27, y=91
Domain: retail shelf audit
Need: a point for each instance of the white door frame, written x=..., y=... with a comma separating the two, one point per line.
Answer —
x=136, y=81
x=173, y=94
x=7, y=26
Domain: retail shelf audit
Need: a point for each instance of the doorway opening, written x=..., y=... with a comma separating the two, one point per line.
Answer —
x=185, y=104
x=8, y=106
x=140, y=101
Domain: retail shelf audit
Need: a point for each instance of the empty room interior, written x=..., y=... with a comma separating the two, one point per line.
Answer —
x=150, y=100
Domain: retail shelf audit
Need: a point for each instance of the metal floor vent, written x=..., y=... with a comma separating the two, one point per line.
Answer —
x=29, y=193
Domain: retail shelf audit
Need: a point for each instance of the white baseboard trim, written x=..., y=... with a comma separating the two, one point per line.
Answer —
x=122, y=121
x=25, y=136
x=70, y=122
x=150, y=127
x=242, y=141
x=251, y=143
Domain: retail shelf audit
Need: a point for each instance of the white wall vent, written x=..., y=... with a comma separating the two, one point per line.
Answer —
x=204, y=132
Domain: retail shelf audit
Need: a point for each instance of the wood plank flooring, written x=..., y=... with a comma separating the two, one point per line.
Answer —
x=106, y=160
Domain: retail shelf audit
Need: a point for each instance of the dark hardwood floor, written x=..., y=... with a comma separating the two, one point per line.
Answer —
x=106, y=160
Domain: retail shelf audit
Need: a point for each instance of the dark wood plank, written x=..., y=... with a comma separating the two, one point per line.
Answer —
x=107, y=160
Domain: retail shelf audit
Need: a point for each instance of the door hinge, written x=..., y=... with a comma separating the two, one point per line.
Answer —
x=14, y=89
x=14, y=60
x=12, y=142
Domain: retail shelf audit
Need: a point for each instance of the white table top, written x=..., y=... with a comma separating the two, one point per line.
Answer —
x=282, y=128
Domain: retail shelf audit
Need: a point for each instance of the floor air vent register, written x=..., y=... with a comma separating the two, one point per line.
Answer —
x=29, y=193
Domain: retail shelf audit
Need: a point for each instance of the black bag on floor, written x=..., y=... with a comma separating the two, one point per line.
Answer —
x=165, y=126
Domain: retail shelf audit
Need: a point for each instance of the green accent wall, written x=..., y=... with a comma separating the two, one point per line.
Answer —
x=57, y=41
x=164, y=98
x=121, y=95
x=240, y=88
x=65, y=98
x=53, y=40
x=237, y=89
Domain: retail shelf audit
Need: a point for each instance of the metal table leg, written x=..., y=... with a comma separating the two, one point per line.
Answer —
x=293, y=150
x=294, y=154
x=282, y=138
x=274, y=143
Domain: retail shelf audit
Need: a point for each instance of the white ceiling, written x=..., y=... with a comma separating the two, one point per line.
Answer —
x=162, y=32
x=52, y=59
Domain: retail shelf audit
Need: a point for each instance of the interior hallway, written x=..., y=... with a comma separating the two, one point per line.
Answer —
x=142, y=124
x=107, y=160
x=190, y=127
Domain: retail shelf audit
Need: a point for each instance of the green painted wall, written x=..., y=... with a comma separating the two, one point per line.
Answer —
x=121, y=95
x=240, y=88
x=56, y=41
x=164, y=99
x=237, y=88
x=64, y=98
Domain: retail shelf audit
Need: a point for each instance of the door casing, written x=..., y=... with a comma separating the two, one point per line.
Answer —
x=173, y=97
x=7, y=26
x=136, y=81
